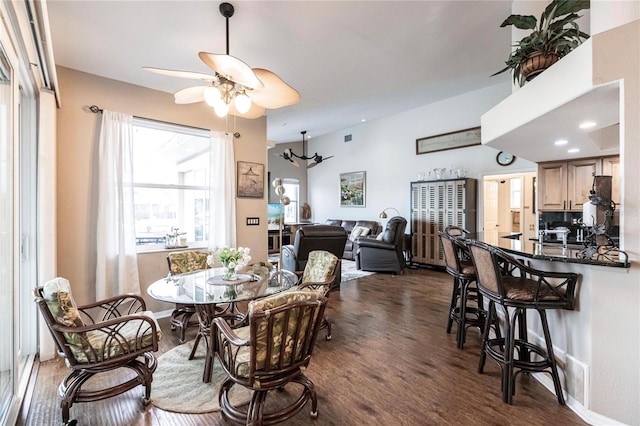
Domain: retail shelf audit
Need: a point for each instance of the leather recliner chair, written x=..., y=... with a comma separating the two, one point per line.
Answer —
x=384, y=255
x=314, y=237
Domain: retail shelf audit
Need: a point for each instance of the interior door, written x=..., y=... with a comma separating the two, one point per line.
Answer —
x=491, y=211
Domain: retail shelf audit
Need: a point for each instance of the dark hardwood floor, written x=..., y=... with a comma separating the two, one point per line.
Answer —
x=390, y=362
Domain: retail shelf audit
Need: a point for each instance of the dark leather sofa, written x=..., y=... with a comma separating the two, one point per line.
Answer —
x=314, y=237
x=384, y=255
x=350, y=248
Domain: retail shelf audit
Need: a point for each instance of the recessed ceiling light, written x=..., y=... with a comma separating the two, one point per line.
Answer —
x=363, y=120
x=573, y=150
x=587, y=124
x=561, y=142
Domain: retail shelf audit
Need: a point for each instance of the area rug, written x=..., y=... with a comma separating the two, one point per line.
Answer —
x=349, y=271
x=178, y=386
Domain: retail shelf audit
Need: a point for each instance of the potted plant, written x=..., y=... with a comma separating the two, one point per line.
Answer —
x=553, y=36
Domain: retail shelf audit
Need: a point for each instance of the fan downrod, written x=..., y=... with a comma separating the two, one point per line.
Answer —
x=226, y=9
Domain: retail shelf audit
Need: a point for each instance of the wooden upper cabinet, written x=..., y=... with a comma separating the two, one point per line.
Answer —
x=565, y=185
x=552, y=186
x=580, y=175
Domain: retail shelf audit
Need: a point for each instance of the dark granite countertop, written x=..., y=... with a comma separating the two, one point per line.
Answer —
x=513, y=243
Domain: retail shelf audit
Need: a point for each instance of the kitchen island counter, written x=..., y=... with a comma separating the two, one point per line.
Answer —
x=513, y=244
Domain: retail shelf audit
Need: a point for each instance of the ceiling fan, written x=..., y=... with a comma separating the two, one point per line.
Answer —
x=289, y=155
x=234, y=88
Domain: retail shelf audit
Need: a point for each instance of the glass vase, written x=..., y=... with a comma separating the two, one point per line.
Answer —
x=229, y=273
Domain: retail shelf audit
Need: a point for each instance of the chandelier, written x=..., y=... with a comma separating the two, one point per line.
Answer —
x=289, y=155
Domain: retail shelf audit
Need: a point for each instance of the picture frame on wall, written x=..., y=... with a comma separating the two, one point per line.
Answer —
x=353, y=189
x=250, y=180
x=451, y=140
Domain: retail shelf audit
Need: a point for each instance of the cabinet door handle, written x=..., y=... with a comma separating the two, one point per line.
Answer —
x=564, y=205
x=569, y=204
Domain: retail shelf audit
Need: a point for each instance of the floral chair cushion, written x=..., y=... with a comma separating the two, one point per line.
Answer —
x=111, y=342
x=277, y=336
x=100, y=344
x=181, y=262
x=262, y=269
x=57, y=294
x=320, y=267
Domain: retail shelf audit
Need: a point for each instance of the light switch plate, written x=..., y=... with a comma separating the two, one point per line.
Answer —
x=253, y=221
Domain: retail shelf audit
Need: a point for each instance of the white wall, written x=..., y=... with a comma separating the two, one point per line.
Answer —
x=386, y=150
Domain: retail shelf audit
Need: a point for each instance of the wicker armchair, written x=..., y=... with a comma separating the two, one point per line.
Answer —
x=99, y=337
x=256, y=357
x=319, y=275
x=181, y=262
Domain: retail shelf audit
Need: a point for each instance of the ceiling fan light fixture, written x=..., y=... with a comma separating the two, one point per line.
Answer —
x=221, y=108
x=211, y=95
x=242, y=103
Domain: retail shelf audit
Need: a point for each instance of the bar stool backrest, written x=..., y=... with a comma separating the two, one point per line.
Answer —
x=451, y=253
x=486, y=269
x=455, y=231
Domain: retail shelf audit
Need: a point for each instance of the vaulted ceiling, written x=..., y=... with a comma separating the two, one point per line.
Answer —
x=350, y=60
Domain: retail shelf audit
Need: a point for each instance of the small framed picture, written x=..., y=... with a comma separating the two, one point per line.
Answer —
x=250, y=180
x=352, y=189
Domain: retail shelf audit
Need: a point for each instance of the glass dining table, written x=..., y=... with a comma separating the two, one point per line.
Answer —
x=214, y=297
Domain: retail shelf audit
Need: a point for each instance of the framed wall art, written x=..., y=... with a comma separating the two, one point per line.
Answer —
x=250, y=180
x=451, y=140
x=352, y=189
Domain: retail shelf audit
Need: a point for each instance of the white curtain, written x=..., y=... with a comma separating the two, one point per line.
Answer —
x=222, y=201
x=117, y=263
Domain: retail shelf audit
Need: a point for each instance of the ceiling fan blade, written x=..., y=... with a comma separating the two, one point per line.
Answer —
x=256, y=111
x=326, y=158
x=312, y=165
x=275, y=94
x=181, y=74
x=232, y=69
x=190, y=95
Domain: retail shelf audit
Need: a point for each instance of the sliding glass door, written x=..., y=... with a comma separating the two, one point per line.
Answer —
x=6, y=235
x=18, y=227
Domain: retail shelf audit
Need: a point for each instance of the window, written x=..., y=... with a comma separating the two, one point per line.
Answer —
x=171, y=183
x=516, y=193
x=291, y=190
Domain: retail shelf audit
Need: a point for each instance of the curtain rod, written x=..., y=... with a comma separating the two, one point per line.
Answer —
x=96, y=109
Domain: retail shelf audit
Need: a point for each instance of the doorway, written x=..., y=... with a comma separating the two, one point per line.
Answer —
x=509, y=205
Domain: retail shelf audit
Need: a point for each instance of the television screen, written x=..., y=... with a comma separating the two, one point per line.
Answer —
x=274, y=212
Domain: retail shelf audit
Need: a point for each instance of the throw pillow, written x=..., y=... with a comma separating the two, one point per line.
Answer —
x=380, y=236
x=358, y=231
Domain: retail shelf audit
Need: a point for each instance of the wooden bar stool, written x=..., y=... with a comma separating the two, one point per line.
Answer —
x=466, y=307
x=515, y=287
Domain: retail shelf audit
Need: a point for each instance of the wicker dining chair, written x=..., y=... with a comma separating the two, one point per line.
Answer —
x=319, y=275
x=99, y=337
x=181, y=262
x=273, y=350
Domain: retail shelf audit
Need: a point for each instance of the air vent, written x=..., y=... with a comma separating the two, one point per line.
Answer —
x=347, y=138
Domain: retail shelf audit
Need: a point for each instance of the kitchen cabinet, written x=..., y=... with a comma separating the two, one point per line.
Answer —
x=434, y=206
x=565, y=185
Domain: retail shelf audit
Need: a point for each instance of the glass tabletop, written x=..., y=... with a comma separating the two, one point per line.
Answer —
x=207, y=287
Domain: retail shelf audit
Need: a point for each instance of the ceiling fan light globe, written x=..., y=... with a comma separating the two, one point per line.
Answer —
x=221, y=108
x=243, y=103
x=286, y=201
x=211, y=95
x=280, y=190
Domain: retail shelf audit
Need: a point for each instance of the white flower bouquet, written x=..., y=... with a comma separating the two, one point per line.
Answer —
x=231, y=259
